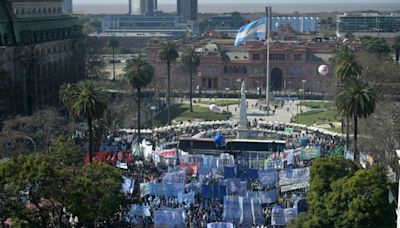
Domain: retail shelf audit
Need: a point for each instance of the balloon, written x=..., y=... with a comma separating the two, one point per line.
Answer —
x=214, y=108
x=219, y=140
x=323, y=70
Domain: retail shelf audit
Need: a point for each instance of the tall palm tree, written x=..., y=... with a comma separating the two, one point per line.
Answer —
x=139, y=74
x=346, y=66
x=356, y=100
x=113, y=43
x=191, y=60
x=66, y=92
x=88, y=102
x=169, y=54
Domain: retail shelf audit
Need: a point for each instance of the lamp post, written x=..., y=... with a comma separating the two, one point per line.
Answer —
x=238, y=81
x=304, y=82
x=398, y=197
x=152, y=109
x=297, y=112
x=227, y=104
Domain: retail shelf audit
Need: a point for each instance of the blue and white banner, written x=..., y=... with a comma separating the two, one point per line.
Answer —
x=169, y=217
x=144, y=189
x=186, y=198
x=128, y=185
x=139, y=210
x=166, y=189
x=290, y=214
x=255, y=29
x=268, y=197
x=220, y=225
x=293, y=176
x=278, y=216
x=175, y=177
x=273, y=164
x=267, y=177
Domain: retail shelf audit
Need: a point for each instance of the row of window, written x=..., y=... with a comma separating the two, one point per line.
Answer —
x=277, y=56
x=235, y=70
x=44, y=10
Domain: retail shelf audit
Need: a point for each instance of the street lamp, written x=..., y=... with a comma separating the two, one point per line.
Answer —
x=304, y=82
x=152, y=109
x=227, y=104
x=73, y=221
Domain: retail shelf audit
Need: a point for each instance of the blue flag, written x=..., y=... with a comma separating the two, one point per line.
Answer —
x=255, y=29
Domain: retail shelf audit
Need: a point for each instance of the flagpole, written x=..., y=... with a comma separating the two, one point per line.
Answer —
x=268, y=18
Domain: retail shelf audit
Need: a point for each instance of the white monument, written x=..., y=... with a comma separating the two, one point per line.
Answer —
x=243, y=131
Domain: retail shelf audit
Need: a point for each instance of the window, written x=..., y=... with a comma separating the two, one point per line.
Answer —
x=255, y=70
x=244, y=70
x=297, y=57
x=277, y=56
x=225, y=83
x=256, y=56
x=225, y=69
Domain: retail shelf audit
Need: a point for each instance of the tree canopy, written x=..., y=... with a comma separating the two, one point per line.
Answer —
x=343, y=195
x=376, y=45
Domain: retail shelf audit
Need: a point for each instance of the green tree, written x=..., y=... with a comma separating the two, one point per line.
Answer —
x=191, y=60
x=342, y=195
x=169, y=54
x=346, y=66
x=66, y=92
x=376, y=45
x=356, y=100
x=88, y=102
x=139, y=74
x=113, y=43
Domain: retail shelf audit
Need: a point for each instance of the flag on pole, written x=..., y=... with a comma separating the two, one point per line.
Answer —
x=390, y=197
x=255, y=29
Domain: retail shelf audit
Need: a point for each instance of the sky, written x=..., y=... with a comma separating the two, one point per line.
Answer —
x=239, y=1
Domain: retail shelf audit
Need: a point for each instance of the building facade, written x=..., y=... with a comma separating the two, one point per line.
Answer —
x=373, y=24
x=148, y=6
x=40, y=49
x=293, y=65
x=68, y=6
x=187, y=9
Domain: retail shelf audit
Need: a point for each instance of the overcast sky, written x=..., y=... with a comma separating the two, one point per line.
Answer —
x=239, y=1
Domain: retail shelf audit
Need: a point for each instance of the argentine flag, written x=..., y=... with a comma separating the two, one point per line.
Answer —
x=255, y=29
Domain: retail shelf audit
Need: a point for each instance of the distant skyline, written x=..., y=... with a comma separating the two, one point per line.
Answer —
x=240, y=1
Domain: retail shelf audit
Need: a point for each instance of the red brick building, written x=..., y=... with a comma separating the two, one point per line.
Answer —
x=292, y=65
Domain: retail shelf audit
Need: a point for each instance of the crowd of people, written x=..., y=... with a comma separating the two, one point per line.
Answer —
x=202, y=210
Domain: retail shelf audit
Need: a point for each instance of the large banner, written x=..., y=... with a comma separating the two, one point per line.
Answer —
x=169, y=217
x=287, y=188
x=220, y=225
x=267, y=177
x=233, y=208
x=268, y=197
x=293, y=176
x=226, y=159
x=139, y=210
x=311, y=152
x=186, y=198
x=166, y=189
x=278, y=216
x=190, y=168
x=175, y=177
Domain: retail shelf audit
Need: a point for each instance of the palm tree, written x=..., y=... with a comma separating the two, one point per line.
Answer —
x=113, y=43
x=88, y=102
x=346, y=66
x=191, y=60
x=66, y=92
x=168, y=54
x=139, y=74
x=356, y=100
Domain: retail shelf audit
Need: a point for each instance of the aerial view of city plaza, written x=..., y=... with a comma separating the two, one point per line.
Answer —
x=199, y=114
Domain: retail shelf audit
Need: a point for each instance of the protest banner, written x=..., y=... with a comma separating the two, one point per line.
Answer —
x=268, y=196
x=220, y=225
x=267, y=177
x=128, y=185
x=278, y=216
x=169, y=217
x=290, y=214
x=273, y=164
x=139, y=210
x=349, y=155
x=287, y=188
x=310, y=152
x=175, y=177
x=144, y=189
x=233, y=209
x=293, y=176
x=226, y=159
x=186, y=198
x=288, y=156
x=121, y=165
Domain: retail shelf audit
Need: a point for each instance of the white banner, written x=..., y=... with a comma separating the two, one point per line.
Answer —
x=293, y=176
x=292, y=187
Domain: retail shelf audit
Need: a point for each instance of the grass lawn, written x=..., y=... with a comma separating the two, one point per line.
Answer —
x=181, y=112
x=315, y=104
x=221, y=103
x=318, y=116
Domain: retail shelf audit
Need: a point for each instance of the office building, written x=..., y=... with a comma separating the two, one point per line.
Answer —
x=148, y=6
x=68, y=6
x=41, y=48
x=187, y=9
x=373, y=24
x=227, y=23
